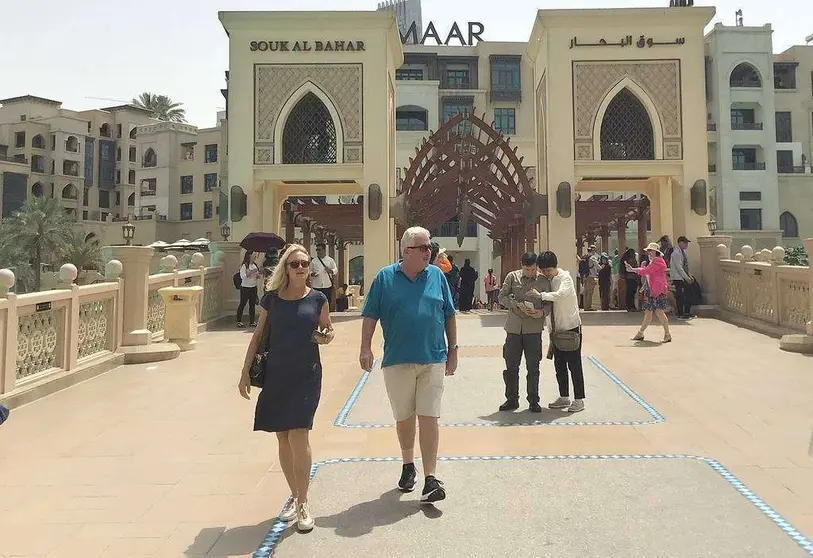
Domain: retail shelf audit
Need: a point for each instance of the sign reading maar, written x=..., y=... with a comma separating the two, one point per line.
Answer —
x=476, y=29
x=306, y=46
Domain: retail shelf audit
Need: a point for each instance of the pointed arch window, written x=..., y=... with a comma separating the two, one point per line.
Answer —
x=788, y=224
x=309, y=136
x=626, y=130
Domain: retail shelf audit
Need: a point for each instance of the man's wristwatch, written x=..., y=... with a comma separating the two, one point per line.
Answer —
x=453, y=347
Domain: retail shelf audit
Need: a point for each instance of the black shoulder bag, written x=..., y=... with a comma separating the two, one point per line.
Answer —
x=257, y=371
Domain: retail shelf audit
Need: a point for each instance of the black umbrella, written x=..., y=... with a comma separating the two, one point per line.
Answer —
x=262, y=242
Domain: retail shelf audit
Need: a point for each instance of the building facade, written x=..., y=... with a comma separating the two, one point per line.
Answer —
x=406, y=13
x=106, y=166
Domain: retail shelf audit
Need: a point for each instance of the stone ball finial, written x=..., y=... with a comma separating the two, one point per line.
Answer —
x=198, y=259
x=68, y=273
x=185, y=261
x=216, y=258
x=7, y=280
x=722, y=252
x=747, y=252
x=739, y=257
x=765, y=255
x=168, y=263
x=112, y=270
x=778, y=255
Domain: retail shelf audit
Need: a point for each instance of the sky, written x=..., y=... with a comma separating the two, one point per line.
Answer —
x=77, y=50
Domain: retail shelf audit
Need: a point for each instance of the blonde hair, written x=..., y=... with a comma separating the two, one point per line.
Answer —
x=279, y=278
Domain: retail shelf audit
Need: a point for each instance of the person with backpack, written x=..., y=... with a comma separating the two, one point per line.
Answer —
x=249, y=274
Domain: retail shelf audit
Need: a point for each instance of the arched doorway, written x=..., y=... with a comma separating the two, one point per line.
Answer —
x=468, y=169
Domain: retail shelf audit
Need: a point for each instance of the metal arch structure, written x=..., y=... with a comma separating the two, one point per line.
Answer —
x=469, y=169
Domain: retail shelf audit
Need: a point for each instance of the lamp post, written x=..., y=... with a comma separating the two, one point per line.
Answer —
x=225, y=231
x=712, y=225
x=128, y=232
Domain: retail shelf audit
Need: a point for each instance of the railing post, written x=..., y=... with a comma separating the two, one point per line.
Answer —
x=710, y=257
x=8, y=335
x=229, y=260
x=197, y=262
x=809, y=249
x=112, y=274
x=801, y=343
x=135, y=261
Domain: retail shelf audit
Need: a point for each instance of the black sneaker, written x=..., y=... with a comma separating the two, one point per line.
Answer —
x=509, y=405
x=432, y=491
x=535, y=408
x=407, y=481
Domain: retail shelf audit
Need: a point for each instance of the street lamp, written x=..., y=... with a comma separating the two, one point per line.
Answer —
x=225, y=231
x=128, y=232
x=712, y=225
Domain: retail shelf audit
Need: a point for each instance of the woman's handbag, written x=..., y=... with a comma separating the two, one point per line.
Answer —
x=257, y=370
x=565, y=341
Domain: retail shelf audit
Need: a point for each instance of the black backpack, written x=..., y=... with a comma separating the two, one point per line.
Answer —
x=238, y=281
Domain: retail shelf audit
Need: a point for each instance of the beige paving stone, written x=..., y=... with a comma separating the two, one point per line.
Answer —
x=164, y=454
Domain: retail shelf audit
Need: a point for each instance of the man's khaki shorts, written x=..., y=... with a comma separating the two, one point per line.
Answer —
x=415, y=389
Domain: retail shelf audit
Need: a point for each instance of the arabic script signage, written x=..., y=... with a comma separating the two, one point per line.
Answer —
x=642, y=42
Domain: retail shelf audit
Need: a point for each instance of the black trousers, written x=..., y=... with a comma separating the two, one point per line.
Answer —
x=632, y=292
x=572, y=360
x=329, y=295
x=248, y=295
x=515, y=345
x=682, y=299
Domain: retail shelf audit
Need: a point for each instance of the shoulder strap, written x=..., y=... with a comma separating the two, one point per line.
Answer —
x=328, y=271
x=552, y=319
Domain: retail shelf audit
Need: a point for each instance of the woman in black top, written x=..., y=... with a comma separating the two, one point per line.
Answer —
x=293, y=376
x=630, y=279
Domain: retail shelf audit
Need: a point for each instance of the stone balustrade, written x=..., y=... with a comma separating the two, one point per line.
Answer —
x=57, y=336
x=760, y=288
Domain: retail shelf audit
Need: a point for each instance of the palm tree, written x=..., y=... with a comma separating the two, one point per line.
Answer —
x=162, y=107
x=84, y=254
x=37, y=232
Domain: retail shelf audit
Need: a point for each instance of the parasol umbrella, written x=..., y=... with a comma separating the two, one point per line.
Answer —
x=262, y=242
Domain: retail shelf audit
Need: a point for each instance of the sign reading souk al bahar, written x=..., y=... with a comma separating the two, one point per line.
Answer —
x=306, y=46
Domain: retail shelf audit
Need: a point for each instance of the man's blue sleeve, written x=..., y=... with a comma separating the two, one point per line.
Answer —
x=372, y=302
x=448, y=301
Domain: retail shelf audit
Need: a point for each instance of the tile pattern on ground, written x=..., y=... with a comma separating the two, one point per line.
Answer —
x=602, y=505
x=471, y=398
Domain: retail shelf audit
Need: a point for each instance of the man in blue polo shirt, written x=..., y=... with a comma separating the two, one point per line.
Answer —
x=414, y=303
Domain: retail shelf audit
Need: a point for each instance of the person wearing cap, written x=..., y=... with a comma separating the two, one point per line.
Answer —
x=523, y=329
x=681, y=279
x=656, y=288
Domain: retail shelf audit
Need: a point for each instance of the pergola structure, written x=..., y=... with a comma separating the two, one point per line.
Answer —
x=469, y=169
x=335, y=225
x=597, y=216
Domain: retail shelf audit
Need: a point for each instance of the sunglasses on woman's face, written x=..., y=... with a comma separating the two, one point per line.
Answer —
x=298, y=263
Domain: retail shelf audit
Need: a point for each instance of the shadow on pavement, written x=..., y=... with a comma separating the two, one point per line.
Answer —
x=361, y=519
x=238, y=541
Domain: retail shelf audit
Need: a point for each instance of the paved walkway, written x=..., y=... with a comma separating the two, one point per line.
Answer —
x=160, y=460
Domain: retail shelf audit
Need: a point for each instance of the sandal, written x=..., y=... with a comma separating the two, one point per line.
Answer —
x=638, y=337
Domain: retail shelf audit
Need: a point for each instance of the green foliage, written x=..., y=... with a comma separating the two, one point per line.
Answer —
x=162, y=107
x=796, y=255
x=39, y=232
x=85, y=255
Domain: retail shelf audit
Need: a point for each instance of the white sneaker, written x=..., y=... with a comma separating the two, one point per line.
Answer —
x=305, y=523
x=561, y=403
x=289, y=512
x=576, y=406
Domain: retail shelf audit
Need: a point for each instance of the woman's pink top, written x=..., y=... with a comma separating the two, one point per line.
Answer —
x=655, y=272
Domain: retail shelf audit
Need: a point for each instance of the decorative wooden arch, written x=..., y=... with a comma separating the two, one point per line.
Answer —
x=595, y=218
x=469, y=169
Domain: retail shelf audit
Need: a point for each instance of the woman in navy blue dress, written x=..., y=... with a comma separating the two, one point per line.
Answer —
x=293, y=377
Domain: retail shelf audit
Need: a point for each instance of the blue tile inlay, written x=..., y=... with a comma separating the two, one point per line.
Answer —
x=341, y=419
x=267, y=547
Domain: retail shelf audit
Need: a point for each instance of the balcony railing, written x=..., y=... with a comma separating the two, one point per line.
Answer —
x=148, y=192
x=712, y=168
x=505, y=94
x=746, y=125
x=455, y=83
x=790, y=169
x=749, y=166
x=711, y=127
x=450, y=230
x=14, y=159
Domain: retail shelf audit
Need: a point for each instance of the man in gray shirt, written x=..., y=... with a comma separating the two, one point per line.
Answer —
x=523, y=327
x=681, y=279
